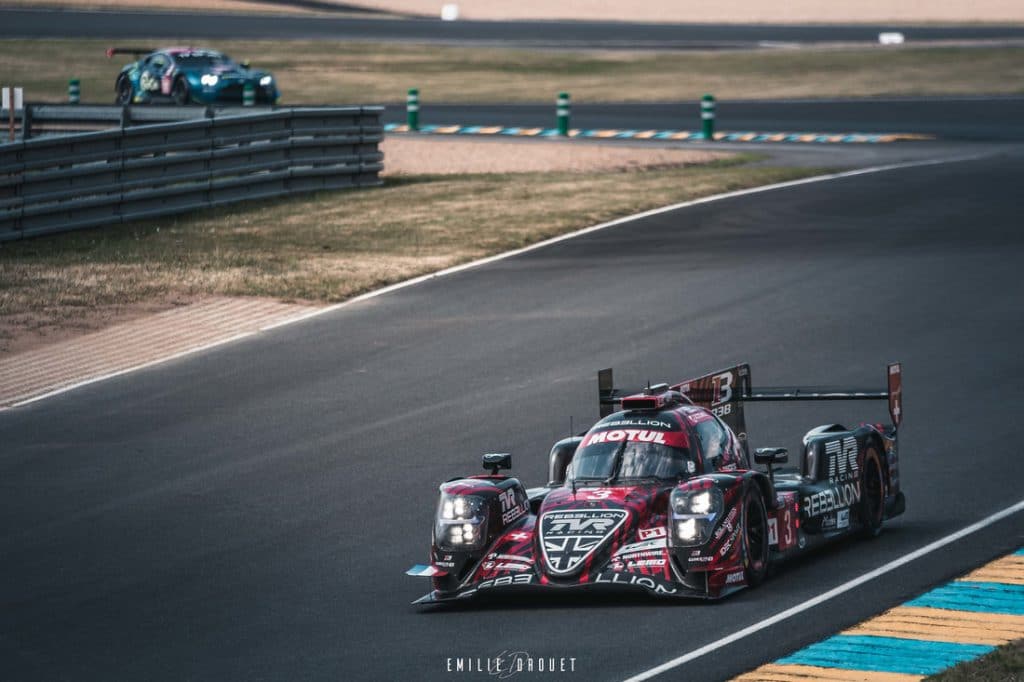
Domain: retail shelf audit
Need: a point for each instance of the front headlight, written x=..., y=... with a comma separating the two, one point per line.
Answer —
x=209, y=79
x=461, y=522
x=707, y=502
x=701, y=502
x=266, y=81
x=686, y=530
x=694, y=513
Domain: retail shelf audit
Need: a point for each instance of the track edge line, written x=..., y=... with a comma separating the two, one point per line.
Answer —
x=503, y=256
x=825, y=596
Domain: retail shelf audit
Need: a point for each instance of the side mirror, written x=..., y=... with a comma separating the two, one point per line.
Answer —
x=560, y=458
x=496, y=461
x=771, y=455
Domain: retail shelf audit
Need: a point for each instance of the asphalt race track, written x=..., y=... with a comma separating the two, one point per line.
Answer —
x=992, y=118
x=41, y=23
x=248, y=512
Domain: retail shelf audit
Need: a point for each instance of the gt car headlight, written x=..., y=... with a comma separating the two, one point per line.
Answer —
x=266, y=80
x=209, y=79
x=461, y=522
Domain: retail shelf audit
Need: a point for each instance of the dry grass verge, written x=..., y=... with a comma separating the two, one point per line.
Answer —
x=215, y=6
x=1005, y=664
x=326, y=247
x=360, y=73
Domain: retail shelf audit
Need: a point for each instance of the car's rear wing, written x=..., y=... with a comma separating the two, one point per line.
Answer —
x=133, y=51
x=726, y=391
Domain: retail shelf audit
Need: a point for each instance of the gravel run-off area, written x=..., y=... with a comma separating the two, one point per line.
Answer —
x=414, y=155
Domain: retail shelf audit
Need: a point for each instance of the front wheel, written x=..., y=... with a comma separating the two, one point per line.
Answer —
x=124, y=91
x=872, y=494
x=755, y=538
x=179, y=93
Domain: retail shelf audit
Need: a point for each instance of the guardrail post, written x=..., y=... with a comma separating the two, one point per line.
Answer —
x=126, y=115
x=248, y=95
x=26, y=122
x=74, y=91
x=707, y=117
x=562, y=111
x=8, y=104
x=412, y=109
x=13, y=101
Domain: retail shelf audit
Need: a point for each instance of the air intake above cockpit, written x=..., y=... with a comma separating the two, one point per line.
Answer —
x=652, y=399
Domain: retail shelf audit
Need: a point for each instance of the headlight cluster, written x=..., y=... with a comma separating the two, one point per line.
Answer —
x=694, y=513
x=209, y=79
x=461, y=522
x=266, y=81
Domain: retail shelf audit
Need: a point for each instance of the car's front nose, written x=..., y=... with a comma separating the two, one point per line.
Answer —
x=230, y=89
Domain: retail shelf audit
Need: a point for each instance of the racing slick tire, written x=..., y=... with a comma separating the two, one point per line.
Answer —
x=755, y=538
x=872, y=497
x=123, y=90
x=180, y=93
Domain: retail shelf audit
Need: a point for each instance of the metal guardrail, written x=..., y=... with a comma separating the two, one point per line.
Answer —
x=49, y=119
x=67, y=182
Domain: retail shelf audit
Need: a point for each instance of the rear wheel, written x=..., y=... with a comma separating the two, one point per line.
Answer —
x=179, y=93
x=755, y=538
x=872, y=494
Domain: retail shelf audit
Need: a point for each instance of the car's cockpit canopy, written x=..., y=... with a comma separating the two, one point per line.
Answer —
x=198, y=59
x=630, y=446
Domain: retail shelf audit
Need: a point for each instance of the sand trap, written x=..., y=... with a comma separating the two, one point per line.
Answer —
x=447, y=156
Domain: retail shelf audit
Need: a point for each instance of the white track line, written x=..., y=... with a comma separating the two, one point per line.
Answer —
x=834, y=592
x=509, y=254
x=883, y=100
x=613, y=223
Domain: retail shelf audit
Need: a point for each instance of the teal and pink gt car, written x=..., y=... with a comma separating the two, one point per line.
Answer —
x=189, y=75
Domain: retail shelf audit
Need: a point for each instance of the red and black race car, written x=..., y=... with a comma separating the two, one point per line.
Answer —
x=662, y=496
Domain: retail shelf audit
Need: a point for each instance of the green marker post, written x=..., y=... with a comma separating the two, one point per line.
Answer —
x=707, y=117
x=562, y=111
x=74, y=91
x=412, y=109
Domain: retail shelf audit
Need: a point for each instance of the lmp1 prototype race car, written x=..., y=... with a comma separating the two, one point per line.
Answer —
x=185, y=75
x=662, y=496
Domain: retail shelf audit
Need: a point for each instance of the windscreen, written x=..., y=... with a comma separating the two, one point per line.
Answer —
x=203, y=59
x=608, y=461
